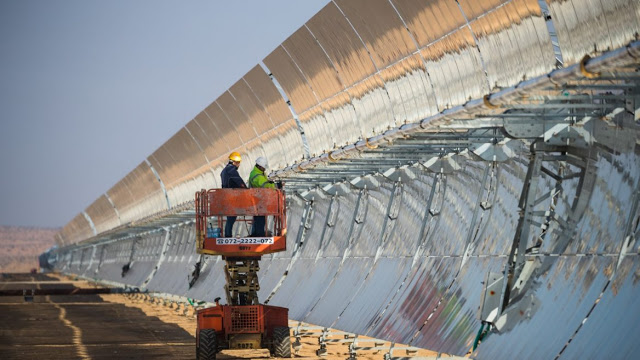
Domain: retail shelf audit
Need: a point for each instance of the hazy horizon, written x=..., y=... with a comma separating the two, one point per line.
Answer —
x=90, y=89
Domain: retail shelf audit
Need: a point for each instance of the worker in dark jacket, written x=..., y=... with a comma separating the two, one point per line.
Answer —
x=231, y=179
x=257, y=179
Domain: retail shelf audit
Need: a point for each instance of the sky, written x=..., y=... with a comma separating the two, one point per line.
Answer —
x=89, y=89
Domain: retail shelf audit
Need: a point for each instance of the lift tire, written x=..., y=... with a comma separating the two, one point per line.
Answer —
x=281, y=342
x=207, y=348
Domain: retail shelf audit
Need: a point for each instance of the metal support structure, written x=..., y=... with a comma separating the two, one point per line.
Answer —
x=472, y=233
x=195, y=273
x=389, y=220
x=129, y=264
x=526, y=208
x=527, y=203
x=70, y=262
x=327, y=224
x=305, y=225
x=93, y=254
x=516, y=280
x=387, y=228
x=358, y=218
x=102, y=250
x=427, y=212
x=242, y=281
x=163, y=254
x=81, y=258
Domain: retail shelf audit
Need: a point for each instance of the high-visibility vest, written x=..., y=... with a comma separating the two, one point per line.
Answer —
x=257, y=179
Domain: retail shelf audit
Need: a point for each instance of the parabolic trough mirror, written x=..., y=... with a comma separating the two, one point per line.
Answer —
x=454, y=171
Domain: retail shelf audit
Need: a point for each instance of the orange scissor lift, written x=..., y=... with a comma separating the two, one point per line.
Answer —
x=243, y=323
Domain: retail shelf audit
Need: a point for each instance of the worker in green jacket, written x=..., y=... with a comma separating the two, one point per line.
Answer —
x=258, y=179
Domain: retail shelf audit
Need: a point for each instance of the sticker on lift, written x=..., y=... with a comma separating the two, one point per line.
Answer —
x=245, y=241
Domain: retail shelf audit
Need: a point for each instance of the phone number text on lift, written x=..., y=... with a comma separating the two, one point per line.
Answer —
x=244, y=241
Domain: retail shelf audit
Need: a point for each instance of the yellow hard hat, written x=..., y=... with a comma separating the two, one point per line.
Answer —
x=235, y=156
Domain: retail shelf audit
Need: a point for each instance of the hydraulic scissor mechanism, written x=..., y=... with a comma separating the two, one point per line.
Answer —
x=242, y=281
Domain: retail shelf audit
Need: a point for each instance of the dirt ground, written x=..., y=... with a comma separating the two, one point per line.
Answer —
x=309, y=344
x=80, y=326
x=157, y=318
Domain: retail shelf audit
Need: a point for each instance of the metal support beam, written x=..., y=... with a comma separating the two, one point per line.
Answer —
x=93, y=254
x=389, y=219
x=525, y=208
x=327, y=224
x=518, y=273
x=163, y=254
x=102, y=250
x=358, y=218
x=305, y=225
x=472, y=233
x=427, y=213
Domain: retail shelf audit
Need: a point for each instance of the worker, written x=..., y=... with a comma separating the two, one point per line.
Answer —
x=231, y=179
x=257, y=179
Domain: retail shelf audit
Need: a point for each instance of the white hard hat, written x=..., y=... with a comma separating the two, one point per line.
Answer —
x=262, y=162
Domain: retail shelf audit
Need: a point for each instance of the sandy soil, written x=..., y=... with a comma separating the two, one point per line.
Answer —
x=183, y=315
x=81, y=326
x=173, y=313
